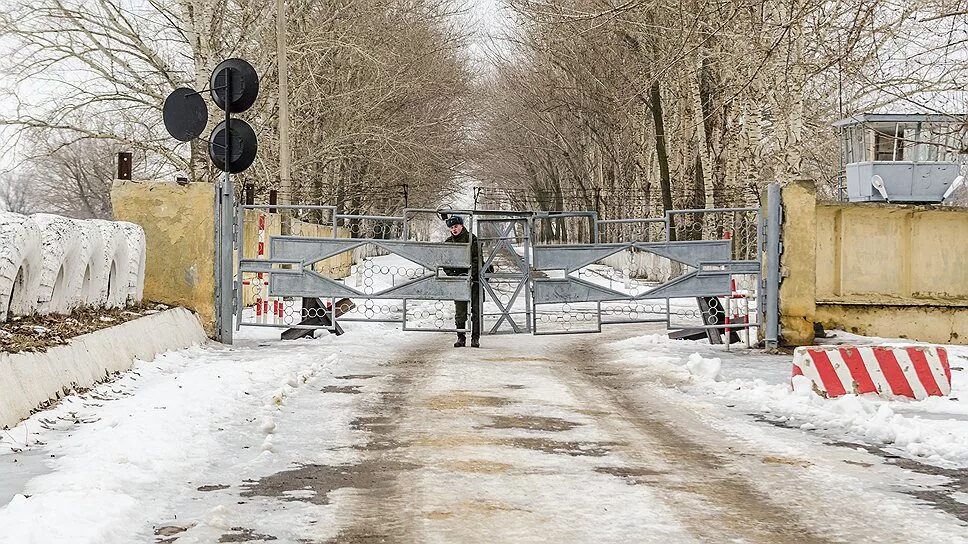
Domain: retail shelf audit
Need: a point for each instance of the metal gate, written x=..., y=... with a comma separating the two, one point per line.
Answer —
x=541, y=273
x=505, y=249
x=324, y=271
x=703, y=275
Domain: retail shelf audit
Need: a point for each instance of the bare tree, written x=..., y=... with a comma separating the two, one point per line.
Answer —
x=379, y=90
x=16, y=195
x=693, y=104
x=101, y=69
x=75, y=180
x=379, y=102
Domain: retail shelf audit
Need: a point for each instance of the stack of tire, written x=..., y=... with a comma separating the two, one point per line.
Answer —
x=52, y=265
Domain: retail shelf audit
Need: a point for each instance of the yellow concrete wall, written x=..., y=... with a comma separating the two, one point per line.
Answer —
x=178, y=221
x=887, y=270
x=798, y=263
x=941, y=324
x=892, y=254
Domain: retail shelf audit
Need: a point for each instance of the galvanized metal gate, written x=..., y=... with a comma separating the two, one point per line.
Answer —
x=697, y=257
x=505, y=249
x=410, y=290
x=540, y=273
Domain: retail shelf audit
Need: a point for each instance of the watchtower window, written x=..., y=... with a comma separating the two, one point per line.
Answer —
x=889, y=144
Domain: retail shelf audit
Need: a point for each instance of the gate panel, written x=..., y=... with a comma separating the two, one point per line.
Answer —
x=695, y=269
x=505, y=250
x=651, y=270
x=383, y=278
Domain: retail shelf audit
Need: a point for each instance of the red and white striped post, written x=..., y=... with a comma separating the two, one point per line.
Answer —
x=916, y=372
x=261, y=304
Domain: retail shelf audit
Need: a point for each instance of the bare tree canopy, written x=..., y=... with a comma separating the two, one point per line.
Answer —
x=379, y=90
x=97, y=70
x=624, y=107
x=635, y=107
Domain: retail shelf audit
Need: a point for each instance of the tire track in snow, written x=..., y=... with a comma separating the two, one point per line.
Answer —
x=715, y=503
x=383, y=510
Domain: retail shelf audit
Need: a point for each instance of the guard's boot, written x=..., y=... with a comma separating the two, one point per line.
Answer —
x=461, y=340
x=475, y=342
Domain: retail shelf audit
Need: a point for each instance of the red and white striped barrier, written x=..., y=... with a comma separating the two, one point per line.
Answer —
x=915, y=372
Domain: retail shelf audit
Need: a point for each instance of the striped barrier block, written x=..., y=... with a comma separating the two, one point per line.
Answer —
x=916, y=372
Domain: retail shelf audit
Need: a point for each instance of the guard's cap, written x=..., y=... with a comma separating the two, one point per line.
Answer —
x=454, y=220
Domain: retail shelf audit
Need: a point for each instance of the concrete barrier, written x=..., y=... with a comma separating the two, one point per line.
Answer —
x=915, y=372
x=874, y=269
x=179, y=227
x=29, y=379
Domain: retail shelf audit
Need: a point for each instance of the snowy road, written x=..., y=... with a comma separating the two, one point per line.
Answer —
x=384, y=436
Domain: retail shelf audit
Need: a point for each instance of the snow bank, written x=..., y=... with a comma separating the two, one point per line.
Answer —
x=185, y=416
x=29, y=379
x=934, y=430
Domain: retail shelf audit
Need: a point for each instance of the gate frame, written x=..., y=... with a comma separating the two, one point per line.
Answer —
x=229, y=292
x=267, y=266
x=524, y=279
x=770, y=282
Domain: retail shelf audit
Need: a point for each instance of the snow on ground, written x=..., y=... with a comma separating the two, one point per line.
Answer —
x=170, y=445
x=122, y=462
x=934, y=430
x=98, y=463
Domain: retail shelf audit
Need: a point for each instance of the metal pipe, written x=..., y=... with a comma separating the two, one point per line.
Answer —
x=627, y=221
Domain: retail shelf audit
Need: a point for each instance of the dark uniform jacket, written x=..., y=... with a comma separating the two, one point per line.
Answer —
x=463, y=238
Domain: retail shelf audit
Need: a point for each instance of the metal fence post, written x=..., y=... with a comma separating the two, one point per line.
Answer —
x=224, y=239
x=774, y=221
x=226, y=242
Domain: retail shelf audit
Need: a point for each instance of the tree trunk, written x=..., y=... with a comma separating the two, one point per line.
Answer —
x=665, y=181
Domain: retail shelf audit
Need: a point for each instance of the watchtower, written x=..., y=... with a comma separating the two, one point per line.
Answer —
x=900, y=157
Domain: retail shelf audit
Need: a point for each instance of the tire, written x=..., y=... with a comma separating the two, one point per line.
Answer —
x=63, y=263
x=111, y=266
x=135, y=237
x=91, y=256
x=20, y=265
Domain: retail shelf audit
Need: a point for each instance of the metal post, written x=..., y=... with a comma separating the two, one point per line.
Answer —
x=760, y=279
x=225, y=239
x=239, y=214
x=529, y=284
x=479, y=292
x=124, y=165
x=774, y=222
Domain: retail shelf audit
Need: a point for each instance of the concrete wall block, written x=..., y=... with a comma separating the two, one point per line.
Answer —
x=179, y=229
x=893, y=270
x=798, y=263
x=30, y=379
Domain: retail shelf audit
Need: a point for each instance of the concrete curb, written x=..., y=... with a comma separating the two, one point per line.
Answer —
x=29, y=379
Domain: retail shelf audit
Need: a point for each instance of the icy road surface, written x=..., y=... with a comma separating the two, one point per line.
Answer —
x=381, y=436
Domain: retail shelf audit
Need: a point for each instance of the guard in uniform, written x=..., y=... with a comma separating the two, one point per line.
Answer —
x=460, y=235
